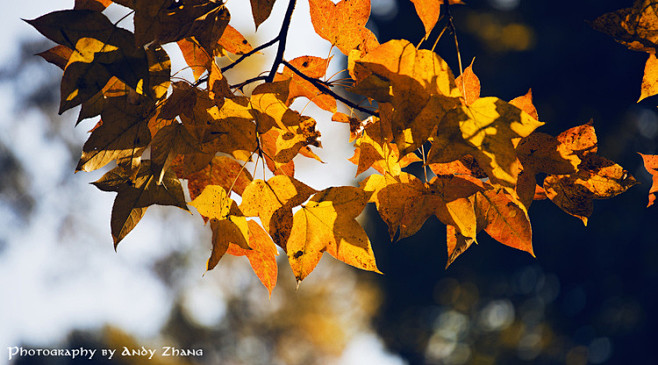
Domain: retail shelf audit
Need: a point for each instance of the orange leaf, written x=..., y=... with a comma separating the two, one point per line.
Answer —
x=524, y=103
x=504, y=219
x=310, y=66
x=262, y=255
x=457, y=244
x=429, y=11
x=651, y=164
x=234, y=42
x=469, y=85
x=343, y=24
x=195, y=56
x=223, y=171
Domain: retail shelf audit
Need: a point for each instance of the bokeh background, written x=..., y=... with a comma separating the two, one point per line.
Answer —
x=588, y=298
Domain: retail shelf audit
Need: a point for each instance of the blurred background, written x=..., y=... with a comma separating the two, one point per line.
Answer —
x=588, y=298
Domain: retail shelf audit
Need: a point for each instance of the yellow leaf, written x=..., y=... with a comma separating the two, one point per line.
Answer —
x=272, y=202
x=487, y=129
x=650, y=79
x=327, y=223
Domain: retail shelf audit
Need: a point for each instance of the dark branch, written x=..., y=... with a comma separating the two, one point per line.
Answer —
x=247, y=82
x=283, y=35
x=321, y=86
x=261, y=47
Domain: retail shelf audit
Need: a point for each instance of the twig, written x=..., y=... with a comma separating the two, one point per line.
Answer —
x=321, y=86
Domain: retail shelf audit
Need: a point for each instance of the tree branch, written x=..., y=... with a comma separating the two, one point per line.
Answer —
x=282, y=37
x=321, y=86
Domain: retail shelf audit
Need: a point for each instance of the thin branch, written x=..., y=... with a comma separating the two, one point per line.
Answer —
x=241, y=85
x=321, y=86
x=451, y=25
x=282, y=38
x=242, y=58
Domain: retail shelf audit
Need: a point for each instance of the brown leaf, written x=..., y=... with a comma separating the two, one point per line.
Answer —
x=136, y=195
x=123, y=133
x=261, y=10
x=58, y=55
x=95, y=5
x=596, y=178
x=633, y=27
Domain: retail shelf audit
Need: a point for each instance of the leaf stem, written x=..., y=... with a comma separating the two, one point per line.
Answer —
x=322, y=87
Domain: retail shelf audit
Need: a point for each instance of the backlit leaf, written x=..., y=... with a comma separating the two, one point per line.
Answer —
x=136, y=195
x=343, y=24
x=327, y=223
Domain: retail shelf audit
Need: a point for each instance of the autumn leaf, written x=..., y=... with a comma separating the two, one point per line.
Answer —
x=262, y=255
x=504, y=219
x=226, y=221
x=95, y=5
x=457, y=244
x=221, y=170
x=110, y=52
x=169, y=142
x=261, y=10
x=343, y=24
x=596, y=178
x=372, y=150
x=165, y=21
x=417, y=85
x=429, y=12
x=234, y=42
x=486, y=129
x=524, y=102
x=327, y=223
x=136, y=195
x=651, y=165
x=123, y=133
x=469, y=85
x=315, y=67
x=196, y=57
x=58, y=55
x=650, y=80
x=272, y=201
x=405, y=203
x=634, y=27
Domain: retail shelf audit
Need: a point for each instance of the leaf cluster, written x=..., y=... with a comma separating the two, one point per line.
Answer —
x=189, y=142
